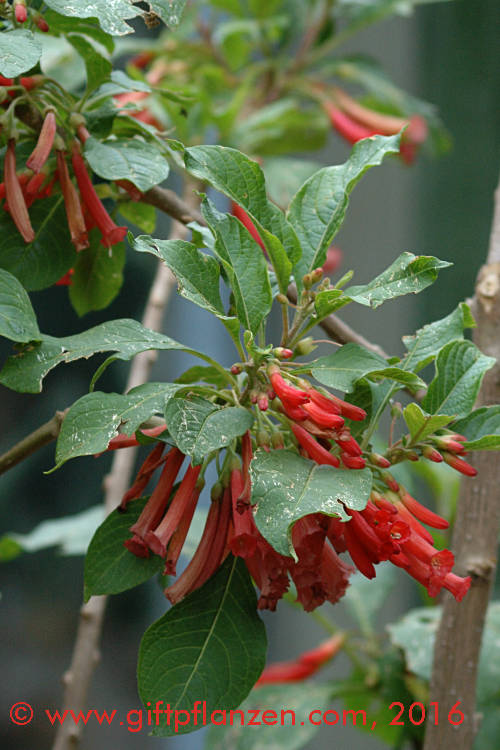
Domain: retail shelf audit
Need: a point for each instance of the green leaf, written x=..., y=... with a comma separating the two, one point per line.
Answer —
x=328, y=301
x=98, y=276
x=242, y=180
x=420, y=424
x=424, y=346
x=96, y=417
x=111, y=14
x=141, y=214
x=197, y=274
x=109, y=566
x=71, y=534
x=318, y=208
x=289, y=731
x=170, y=11
x=409, y=274
x=199, y=427
x=245, y=266
x=129, y=159
x=286, y=487
x=20, y=50
x=199, y=372
x=283, y=127
x=29, y=262
x=211, y=647
x=351, y=362
x=17, y=317
x=98, y=67
x=25, y=371
x=285, y=175
x=415, y=634
x=88, y=27
x=460, y=368
x=481, y=428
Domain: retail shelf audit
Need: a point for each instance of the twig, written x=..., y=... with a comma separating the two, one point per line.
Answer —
x=170, y=203
x=475, y=541
x=339, y=331
x=43, y=435
x=86, y=649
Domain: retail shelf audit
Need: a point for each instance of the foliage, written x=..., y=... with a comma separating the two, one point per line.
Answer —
x=302, y=473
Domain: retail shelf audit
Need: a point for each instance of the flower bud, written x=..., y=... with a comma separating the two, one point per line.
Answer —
x=236, y=369
x=305, y=347
x=20, y=11
x=282, y=353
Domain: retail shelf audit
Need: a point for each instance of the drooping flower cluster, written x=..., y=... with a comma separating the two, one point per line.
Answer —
x=389, y=528
x=84, y=209
x=354, y=122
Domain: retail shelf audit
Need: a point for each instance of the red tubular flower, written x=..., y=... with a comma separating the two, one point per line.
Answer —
x=72, y=206
x=179, y=536
x=43, y=147
x=358, y=553
x=111, y=233
x=133, y=192
x=14, y=194
x=432, y=454
x=209, y=553
x=130, y=441
x=457, y=586
x=155, y=507
x=67, y=279
x=152, y=462
x=323, y=418
x=352, y=462
x=243, y=541
x=448, y=443
x=247, y=222
x=288, y=394
x=180, y=506
x=422, y=513
x=412, y=522
x=459, y=464
x=348, y=128
x=348, y=444
x=314, y=450
x=304, y=666
x=20, y=11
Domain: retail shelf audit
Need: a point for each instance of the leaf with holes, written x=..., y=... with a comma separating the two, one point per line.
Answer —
x=199, y=427
x=20, y=50
x=286, y=487
x=94, y=419
x=409, y=274
x=210, y=647
x=24, y=372
x=127, y=159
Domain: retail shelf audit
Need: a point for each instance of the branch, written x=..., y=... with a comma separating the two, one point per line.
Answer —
x=86, y=649
x=43, y=435
x=475, y=540
x=169, y=202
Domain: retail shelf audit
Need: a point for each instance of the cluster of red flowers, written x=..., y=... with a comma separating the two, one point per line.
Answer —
x=355, y=122
x=313, y=413
x=84, y=209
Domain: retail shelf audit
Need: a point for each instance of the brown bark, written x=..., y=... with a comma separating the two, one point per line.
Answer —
x=475, y=540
